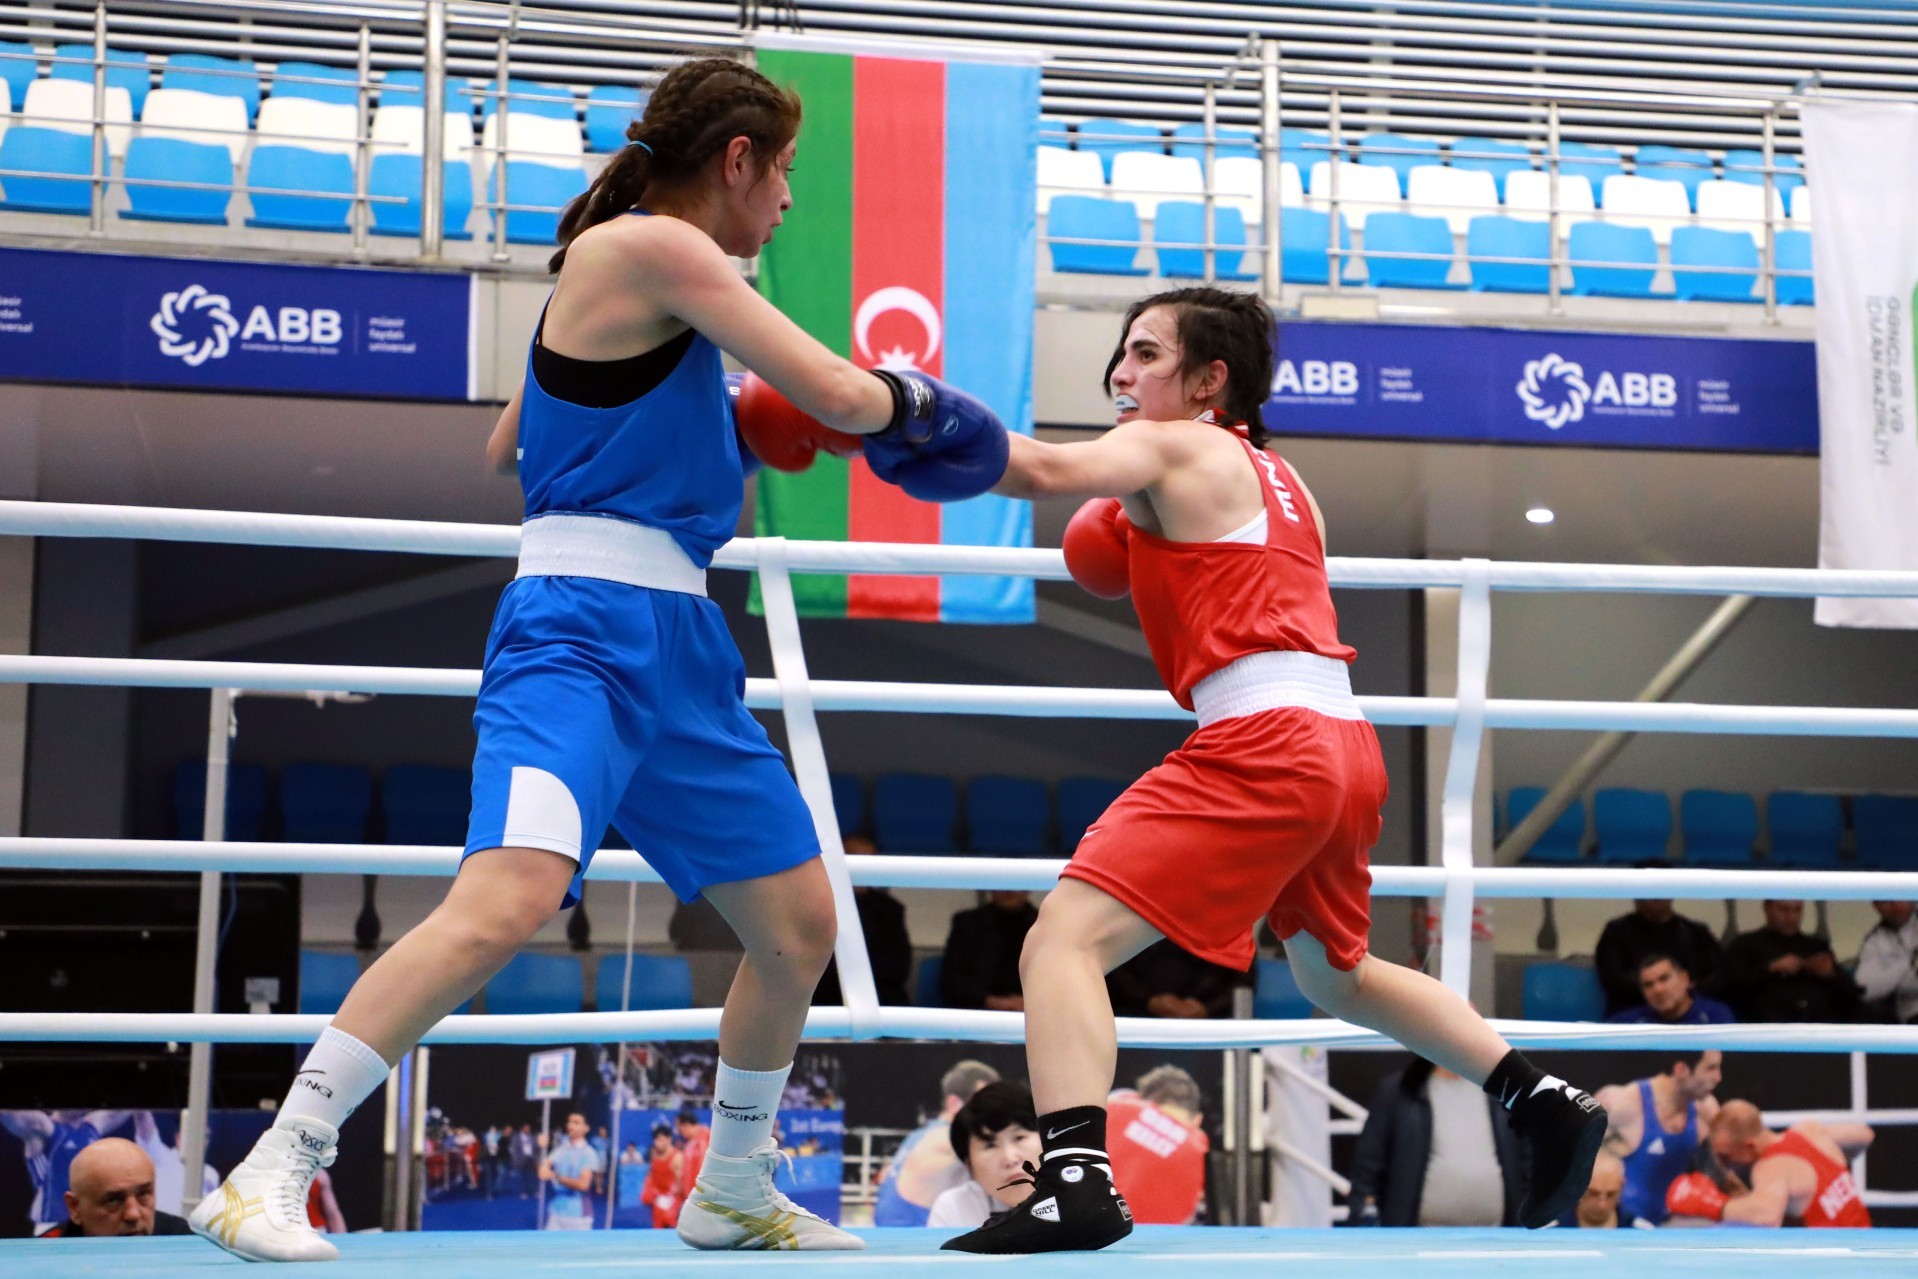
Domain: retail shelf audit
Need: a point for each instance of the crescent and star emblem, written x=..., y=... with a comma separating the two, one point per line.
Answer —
x=897, y=298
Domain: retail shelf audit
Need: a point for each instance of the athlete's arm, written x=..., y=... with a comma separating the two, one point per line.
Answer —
x=1853, y=1139
x=1769, y=1199
x=1126, y=459
x=1621, y=1103
x=502, y=447
x=27, y=1123
x=1318, y=517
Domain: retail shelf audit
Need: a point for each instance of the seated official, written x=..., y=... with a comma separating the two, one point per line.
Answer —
x=1653, y=928
x=111, y=1193
x=1782, y=973
x=981, y=968
x=1165, y=981
x=1598, y=1207
x=995, y=1134
x=1888, y=962
x=1670, y=999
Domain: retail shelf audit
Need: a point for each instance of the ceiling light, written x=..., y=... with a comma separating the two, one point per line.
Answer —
x=1540, y=515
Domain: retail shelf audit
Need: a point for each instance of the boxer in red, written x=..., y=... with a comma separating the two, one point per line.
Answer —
x=1268, y=811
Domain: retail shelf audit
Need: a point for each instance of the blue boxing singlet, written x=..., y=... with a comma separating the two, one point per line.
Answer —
x=1660, y=1157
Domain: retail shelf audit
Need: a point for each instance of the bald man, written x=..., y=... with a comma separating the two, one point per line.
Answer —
x=1598, y=1208
x=110, y=1192
x=1801, y=1174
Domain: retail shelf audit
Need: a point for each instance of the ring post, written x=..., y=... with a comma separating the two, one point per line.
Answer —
x=200, y=1057
x=1461, y=777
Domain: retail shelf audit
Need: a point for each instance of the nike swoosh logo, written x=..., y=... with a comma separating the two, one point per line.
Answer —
x=1057, y=1133
x=723, y=1106
x=297, y=1074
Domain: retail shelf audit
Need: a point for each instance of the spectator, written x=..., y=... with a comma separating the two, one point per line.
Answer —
x=694, y=1138
x=1656, y=1125
x=994, y=1135
x=882, y=918
x=110, y=1192
x=1653, y=928
x=571, y=1168
x=50, y=1140
x=1802, y=1174
x=1888, y=961
x=1777, y=973
x=1158, y=1148
x=1165, y=981
x=924, y=1167
x=1436, y=1152
x=523, y=1152
x=663, y=1179
x=982, y=953
x=1598, y=1208
x=1670, y=999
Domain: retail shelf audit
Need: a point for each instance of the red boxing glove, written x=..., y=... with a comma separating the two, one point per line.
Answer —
x=1095, y=546
x=1694, y=1195
x=782, y=436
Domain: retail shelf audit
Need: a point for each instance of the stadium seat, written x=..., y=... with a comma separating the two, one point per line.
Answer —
x=1696, y=246
x=849, y=803
x=659, y=982
x=1275, y=993
x=318, y=126
x=1457, y=195
x=529, y=97
x=127, y=69
x=1086, y=217
x=533, y=983
x=1631, y=825
x=1530, y=193
x=1062, y=171
x=1736, y=206
x=402, y=128
x=221, y=77
x=399, y=176
x=1388, y=233
x=305, y=145
x=1178, y=236
x=1500, y=237
x=317, y=82
x=245, y=800
x=67, y=105
x=1490, y=155
x=1106, y=137
x=1592, y=243
x=175, y=160
x=1591, y=162
x=540, y=192
x=424, y=804
x=1145, y=179
x=52, y=153
x=325, y=803
x=1718, y=828
x=1008, y=815
x=1240, y=183
x=1792, y=252
x=20, y=67
x=1561, y=992
x=1749, y=167
x=1563, y=841
x=1364, y=189
x=530, y=136
x=407, y=89
x=1054, y=132
x=1303, y=240
x=914, y=812
x=1886, y=828
x=1805, y=830
x=1800, y=205
x=325, y=977
x=1081, y=800
x=1397, y=152
x=926, y=981
x=1653, y=203
x=610, y=108
x=1674, y=164
x=1189, y=140
x=188, y=115
x=1304, y=147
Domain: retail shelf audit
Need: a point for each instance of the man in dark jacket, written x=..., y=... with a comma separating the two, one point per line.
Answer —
x=1778, y=973
x=882, y=918
x=111, y=1194
x=982, y=954
x=1164, y=981
x=1653, y=928
x=1435, y=1152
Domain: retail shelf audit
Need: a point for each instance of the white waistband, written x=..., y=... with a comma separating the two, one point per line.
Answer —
x=1268, y=681
x=611, y=549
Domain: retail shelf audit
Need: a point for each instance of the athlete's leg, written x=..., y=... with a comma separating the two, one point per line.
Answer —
x=786, y=922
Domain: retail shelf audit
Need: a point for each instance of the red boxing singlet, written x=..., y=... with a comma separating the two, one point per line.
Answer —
x=1204, y=605
x=1836, y=1201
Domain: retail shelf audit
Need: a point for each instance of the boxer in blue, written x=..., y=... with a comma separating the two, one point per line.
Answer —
x=612, y=690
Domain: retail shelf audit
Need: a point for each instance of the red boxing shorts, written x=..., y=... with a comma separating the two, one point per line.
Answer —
x=1269, y=814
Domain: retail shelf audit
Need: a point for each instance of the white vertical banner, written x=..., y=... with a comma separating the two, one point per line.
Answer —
x=1861, y=161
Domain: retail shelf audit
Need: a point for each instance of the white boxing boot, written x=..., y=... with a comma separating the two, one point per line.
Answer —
x=259, y=1211
x=735, y=1205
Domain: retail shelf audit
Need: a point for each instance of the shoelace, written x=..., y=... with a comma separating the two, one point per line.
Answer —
x=1030, y=1179
x=294, y=1189
x=773, y=1156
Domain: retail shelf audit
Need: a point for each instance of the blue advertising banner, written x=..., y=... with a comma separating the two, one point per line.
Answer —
x=1516, y=386
x=235, y=326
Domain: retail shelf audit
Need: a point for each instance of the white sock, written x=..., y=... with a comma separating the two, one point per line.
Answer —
x=744, y=1103
x=339, y=1074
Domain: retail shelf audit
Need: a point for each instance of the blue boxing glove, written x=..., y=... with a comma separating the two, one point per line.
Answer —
x=749, y=463
x=942, y=444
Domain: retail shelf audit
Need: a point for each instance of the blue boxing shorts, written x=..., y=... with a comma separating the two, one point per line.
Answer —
x=607, y=703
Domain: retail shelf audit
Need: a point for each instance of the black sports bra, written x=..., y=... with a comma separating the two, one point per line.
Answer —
x=605, y=384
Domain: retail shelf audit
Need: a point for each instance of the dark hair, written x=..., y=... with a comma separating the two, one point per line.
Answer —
x=991, y=1110
x=686, y=1115
x=698, y=108
x=662, y=1129
x=1218, y=324
x=1660, y=957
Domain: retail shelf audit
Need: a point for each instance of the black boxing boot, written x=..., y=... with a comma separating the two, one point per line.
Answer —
x=1073, y=1207
x=1562, y=1126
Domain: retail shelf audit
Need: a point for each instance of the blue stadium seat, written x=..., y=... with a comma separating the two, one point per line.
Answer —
x=325, y=803
x=127, y=69
x=925, y=981
x=1054, y=132
x=423, y=804
x=1081, y=800
x=20, y=67
x=1491, y=236
x=399, y=175
x=531, y=97
x=609, y=109
x=1791, y=251
x=1675, y=164
x=547, y=187
x=1008, y=815
x=849, y=803
x=659, y=982
x=1178, y=237
x=1105, y=137
x=1305, y=148
x=1719, y=827
x=537, y=984
x=1694, y=246
x=1379, y=148
x=1387, y=233
x=1886, y=827
x=1562, y=992
x=407, y=89
x=1631, y=825
x=1275, y=994
x=1189, y=140
x=914, y=813
x=1590, y=161
x=1749, y=166
x=325, y=977
x=1302, y=241
x=1563, y=841
x=245, y=800
x=176, y=160
x=52, y=152
x=283, y=168
x=1805, y=829
x=1595, y=242
x=1490, y=155
x=223, y=77
x=294, y=80
x=1087, y=217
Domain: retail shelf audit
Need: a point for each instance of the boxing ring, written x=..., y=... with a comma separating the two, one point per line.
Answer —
x=1455, y=881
